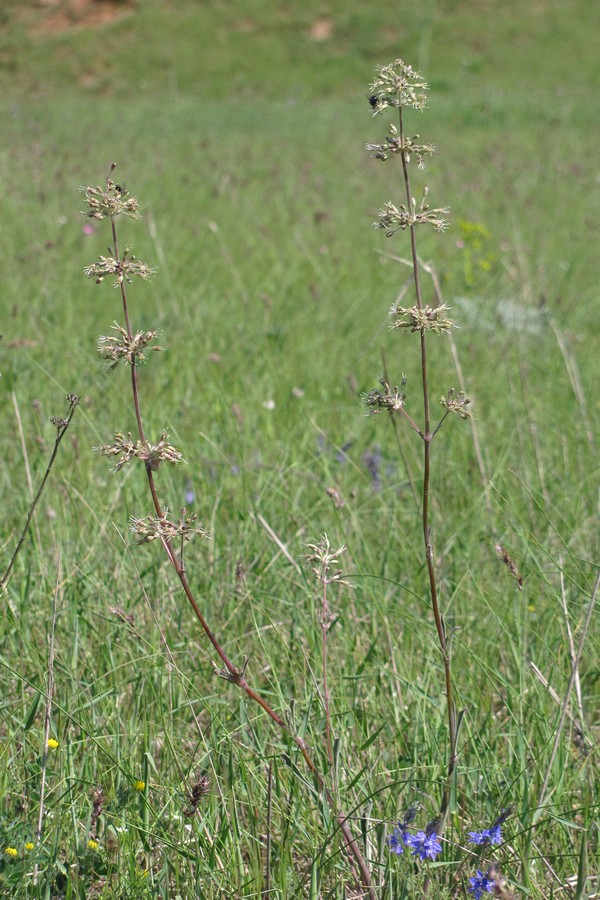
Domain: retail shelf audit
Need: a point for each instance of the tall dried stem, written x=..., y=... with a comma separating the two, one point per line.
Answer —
x=398, y=86
x=109, y=203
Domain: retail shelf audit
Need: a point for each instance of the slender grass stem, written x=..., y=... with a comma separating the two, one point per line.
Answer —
x=61, y=428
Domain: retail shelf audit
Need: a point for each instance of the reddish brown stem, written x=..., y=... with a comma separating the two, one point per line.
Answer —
x=230, y=672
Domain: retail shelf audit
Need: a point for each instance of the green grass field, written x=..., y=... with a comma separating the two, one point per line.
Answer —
x=241, y=127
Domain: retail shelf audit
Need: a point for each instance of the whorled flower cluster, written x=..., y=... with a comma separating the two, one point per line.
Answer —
x=110, y=201
x=457, y=402
x=115, y=347
x=153, y=455
x=425, y=318
x=124, y=269
x=393, y=143
x=397, y=85
x=394, y=218
x=153, y=527
x=390, y=399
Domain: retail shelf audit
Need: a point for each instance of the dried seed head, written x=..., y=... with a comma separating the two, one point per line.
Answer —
x=153, y=527
x=457, y=403
x=397, y=85
x=394, y=144
x=109, y=202
x=390, y=399
x=117, y=347
x=426, y=318
x=126, y=449
x=323, y=558
x=123, y=269
x=394, y=218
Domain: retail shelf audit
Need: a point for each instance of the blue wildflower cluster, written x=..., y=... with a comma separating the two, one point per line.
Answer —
x=426, y=845
x=481, y=884
x=493, y=834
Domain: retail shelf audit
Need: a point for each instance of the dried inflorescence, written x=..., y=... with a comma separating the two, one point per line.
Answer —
x=153, y=455
x=115, y=347
x=425, y=318
x=153, y=527
x=397, y=85
x=457, y=402
x=388, y=398
x=394, y=143
x=198, y=790
x=110, y=201
x=394, y=218
x=322, y=559
x=123, y=269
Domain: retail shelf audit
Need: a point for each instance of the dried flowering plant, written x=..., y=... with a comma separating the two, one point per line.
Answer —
x=128, y=346
x=398, y=87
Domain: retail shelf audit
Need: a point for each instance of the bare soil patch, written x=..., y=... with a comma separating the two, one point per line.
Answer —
x=56, y=16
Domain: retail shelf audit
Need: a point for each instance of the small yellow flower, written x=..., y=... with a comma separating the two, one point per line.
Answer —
x=52, y=744
x=10, y=851
x=139, y=785
x=92, y=845
x=29, y=845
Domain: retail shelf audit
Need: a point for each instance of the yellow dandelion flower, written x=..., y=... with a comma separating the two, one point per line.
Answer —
x=12, y=852
x=52, y=744
x=139, y=785
x=29, y=845
x=92, y=845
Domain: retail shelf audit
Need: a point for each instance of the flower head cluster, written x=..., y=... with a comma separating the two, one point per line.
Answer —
x=425, y=318
x=115, y=347
x=323, y=558
x=397, y=85
x=395, y=144
x=123, y=269
x=481, y=884
x=109, y=202
x=457, y=403
x=390, y=399
x=153, y=527
x=393, y=218
x=424, y=844
x=493, y=834
x=153, y=455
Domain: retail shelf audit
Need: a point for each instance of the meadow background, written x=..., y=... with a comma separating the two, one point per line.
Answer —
x=240, y=127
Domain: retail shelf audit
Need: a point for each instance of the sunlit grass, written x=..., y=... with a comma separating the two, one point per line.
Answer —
x=272, y=294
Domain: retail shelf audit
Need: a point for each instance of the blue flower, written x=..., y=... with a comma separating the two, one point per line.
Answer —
x=397, y=841
x=423, y=845
x=491, y=835
x=481, y=883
